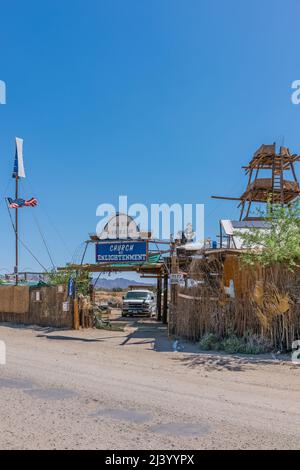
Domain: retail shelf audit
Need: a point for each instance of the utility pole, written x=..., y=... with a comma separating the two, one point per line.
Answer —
x=16, y=232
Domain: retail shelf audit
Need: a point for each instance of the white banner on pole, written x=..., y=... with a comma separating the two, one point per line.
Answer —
x=19, y=150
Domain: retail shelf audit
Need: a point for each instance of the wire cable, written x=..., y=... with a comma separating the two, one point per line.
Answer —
x=42, y=207
x=43, y=238
x=44, y=241
x=21, y=241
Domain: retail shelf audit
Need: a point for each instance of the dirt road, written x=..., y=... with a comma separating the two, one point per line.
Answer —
x=128, y=390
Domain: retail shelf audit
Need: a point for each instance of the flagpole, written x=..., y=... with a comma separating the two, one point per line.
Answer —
x=18, y=173
x=16, y=232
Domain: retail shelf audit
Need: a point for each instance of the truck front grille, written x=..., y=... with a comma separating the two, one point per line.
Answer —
x=133, y=306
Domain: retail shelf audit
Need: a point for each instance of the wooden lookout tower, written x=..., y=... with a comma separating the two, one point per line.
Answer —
x=274, y=187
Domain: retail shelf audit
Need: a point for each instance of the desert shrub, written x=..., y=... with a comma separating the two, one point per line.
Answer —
x=280, y=242
x=255, y=344
x=209, y=342
x=232, y=344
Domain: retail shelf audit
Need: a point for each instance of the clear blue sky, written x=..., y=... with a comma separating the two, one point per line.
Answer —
x=162, y=100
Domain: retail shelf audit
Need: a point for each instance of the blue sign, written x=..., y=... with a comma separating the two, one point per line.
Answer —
x=126, y=251
x=71, y=287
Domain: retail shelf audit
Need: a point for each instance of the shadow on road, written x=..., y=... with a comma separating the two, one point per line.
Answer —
x=216, y=362
x=44, y=329
x=72, y=338
x=148, y=332
x=211, y=363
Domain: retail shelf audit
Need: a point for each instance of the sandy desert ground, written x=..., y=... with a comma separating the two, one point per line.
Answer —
x=97, y=389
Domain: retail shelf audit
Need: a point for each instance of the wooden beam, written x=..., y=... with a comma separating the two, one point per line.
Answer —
x=148, y=268
x=227, y=198
x=158, y=298
x=76, y=322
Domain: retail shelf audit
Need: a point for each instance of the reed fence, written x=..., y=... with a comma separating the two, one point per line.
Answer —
x=232, y=298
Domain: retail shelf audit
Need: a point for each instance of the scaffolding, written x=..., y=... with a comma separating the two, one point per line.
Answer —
x=274, y=188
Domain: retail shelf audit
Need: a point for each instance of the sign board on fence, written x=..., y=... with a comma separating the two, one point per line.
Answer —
x=177, y=278
x=66, y=306
x=125, y=251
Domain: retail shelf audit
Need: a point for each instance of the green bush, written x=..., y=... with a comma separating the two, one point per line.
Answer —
x=280, y=242
x=82, y=280
x=256, y=344
x=232, y=344
x=209, y=342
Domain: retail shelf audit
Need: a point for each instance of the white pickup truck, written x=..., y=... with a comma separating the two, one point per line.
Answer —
x=139, y=302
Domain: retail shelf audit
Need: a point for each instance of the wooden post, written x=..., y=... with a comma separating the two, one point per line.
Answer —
x=165, y=306
x=248, y=186
x=76, y=314
x=174, y=270
x=293, y=171
x=281, y=181
x=174, y=291
x=84, y=253
x=158, y=298
x=273, y=179
x=82, y=315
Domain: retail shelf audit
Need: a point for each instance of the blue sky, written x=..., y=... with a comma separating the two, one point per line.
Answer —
x=161, y=100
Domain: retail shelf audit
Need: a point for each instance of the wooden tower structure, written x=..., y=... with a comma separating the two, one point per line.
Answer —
x=275, y=187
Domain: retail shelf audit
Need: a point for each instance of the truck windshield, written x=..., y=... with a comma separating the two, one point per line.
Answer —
x=137, y=295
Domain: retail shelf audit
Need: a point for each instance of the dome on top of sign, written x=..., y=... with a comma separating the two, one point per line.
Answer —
x=120, y=227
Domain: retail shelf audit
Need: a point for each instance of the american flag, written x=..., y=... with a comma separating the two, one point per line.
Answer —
x=18, y=203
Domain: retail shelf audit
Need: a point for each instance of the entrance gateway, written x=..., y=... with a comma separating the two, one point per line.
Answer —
x=139, y=253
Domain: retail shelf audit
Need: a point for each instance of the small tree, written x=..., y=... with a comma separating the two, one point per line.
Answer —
x=82, y=280
x=279, y=243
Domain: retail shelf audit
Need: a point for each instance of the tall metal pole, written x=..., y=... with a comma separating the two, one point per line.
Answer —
x=16, y=233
